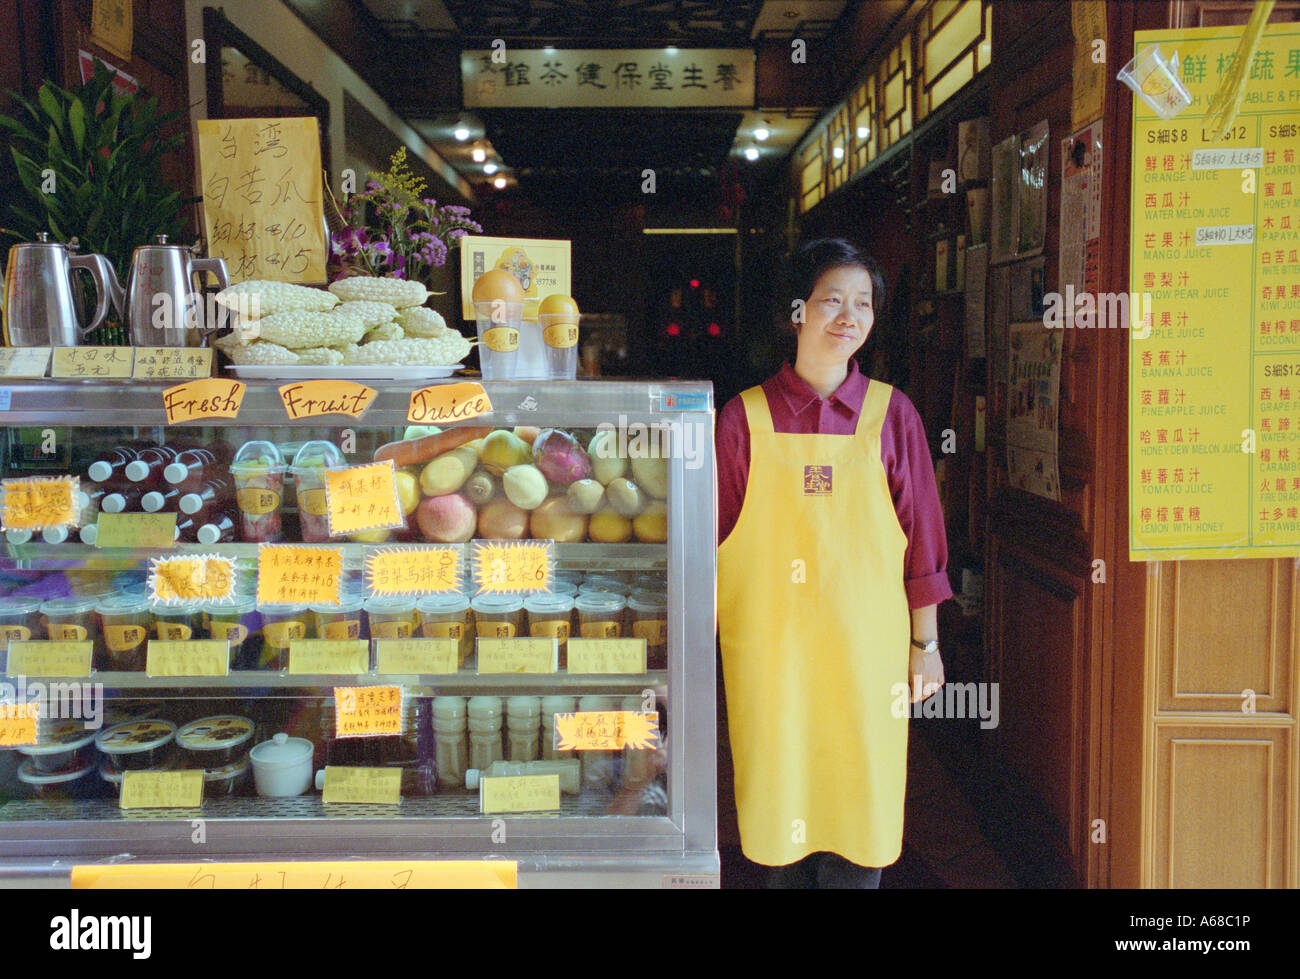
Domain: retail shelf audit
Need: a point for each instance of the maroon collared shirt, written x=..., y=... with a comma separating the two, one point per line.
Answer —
x=798, y=410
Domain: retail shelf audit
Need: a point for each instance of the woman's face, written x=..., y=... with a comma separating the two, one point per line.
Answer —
x=838, y=315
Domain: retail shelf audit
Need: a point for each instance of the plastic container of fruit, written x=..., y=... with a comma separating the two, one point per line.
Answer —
x=258, y=473
x=310, y=464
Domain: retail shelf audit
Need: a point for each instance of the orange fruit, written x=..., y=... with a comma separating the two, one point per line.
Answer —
x=497, y=285
x=557, y=304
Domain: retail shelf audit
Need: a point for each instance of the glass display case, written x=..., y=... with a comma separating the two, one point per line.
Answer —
x=472, y=678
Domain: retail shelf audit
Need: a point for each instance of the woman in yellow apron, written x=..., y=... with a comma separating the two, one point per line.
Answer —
x=831, y=564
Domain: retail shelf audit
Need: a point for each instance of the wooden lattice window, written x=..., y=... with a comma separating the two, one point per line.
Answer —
x=953, y=44
x=893, y=85
x=837, y=149
x=862, y=125
x=812, y=168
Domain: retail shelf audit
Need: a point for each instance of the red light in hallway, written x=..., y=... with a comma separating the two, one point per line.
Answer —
x=715, y=330
x=695, y=283
x=674, y=329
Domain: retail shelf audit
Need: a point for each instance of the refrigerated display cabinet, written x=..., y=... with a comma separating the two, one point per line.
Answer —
x=645, y=818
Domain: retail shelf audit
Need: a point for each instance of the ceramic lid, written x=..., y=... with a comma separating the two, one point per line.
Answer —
x=27, y=773
x=63, y=736
x=135, y=736
x=215, y=733
x=282, y=750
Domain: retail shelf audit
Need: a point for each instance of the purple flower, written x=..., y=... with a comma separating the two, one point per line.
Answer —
x=379, y=253
x=456, y=209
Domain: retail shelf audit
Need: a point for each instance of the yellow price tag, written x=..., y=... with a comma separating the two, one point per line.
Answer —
x=136, y=530
x=209, y=397
x=362, y=498
x=25, y=361
x=92, y=362
x=167, y=362
x=512, y=566
x=606, y=730
x=191, y=578
x=300, y=875
x=162, y=790
x=607, y=656
x=519, y=793
x=309, y=399
x=414, y=570
x=18, y=724
x=194, y=657
x=359, y=785
x=416, y=656
x=289, y=574
x=336, y=656
x=364, y=712
x=536, y=654
x=48, y=657
x=446, y=404
x=39, y=502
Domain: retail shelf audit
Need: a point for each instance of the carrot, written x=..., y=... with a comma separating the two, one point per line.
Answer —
x=409, y=452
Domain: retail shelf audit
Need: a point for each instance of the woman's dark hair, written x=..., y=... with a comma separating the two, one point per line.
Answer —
x=811, y=260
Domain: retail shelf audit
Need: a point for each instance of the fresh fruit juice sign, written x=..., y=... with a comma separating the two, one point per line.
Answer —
x=38, y=503
x=363, y=498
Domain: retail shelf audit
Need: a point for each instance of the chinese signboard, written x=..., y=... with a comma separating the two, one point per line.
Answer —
x=542, y=267
x=1214, y=379
x=616, y=78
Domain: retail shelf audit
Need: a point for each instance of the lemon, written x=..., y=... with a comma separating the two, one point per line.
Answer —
x=608, y=526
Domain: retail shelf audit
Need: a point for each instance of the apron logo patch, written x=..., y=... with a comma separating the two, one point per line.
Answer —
x=816, y=480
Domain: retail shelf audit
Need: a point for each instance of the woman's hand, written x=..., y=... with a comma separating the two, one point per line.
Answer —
x=924, y=672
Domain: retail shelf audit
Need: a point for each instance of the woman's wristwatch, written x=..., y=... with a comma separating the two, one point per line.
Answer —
x=929, y=646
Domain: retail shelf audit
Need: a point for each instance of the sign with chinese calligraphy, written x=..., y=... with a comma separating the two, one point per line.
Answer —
x=26, y=361
x=92, y=362
x=309, y=399
x=1214, y=258
x=111, y=26
x=301, y=875
x=417, y=570
x=195, y=657
x=39, y=502
x=609, y=78
x=413, y=657
x=606, y=730
x=1088, y=23
x=340, y=657
x=209, y=397
x=445, y=404
x=382, y=786
x=1033, y=400
x=18, y=724
x=512, y=567
x=362, y=498
x=542, y=266
x=135, y=530
x=366, y=712
x=606, y=655
x=289, y=574
x=162, y=790
x=191, y=578
x=158, y=362
x=519, y=793
x=262, y=211
x=49, y=657
x=536, y=654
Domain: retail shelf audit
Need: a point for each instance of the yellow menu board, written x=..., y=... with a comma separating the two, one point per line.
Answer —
x=514, y=566
x=1214, y=379
x=288, y=574
x=414, y=570
x=92, y=362
x=542, y=266
x=362, y=498
x=38, y=502
x=262, y=208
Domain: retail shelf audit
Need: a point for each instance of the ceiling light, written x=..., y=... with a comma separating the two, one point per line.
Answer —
x=548, y=50
x=461, y=133
x=479, y=154
x=762, y=133
x=499, y=183
x=671, y=49
x=751, y=154
x=864, y=132
x=838, y=152
x=490, y=168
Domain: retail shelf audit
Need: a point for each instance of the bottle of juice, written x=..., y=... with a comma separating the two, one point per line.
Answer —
x=258, y=473
x=204, y=496
x=484, y=715
x=523, y=727
x=310, y=464
x=110, y=466
x=186, y=529
x=550, y=707
x=219, y=530
x=148, y=466
x=160, y=499
x=192, y=466
x=566, y=769
x=451, y=746
x=598, y=767
x=123, y=500
x=638, y=763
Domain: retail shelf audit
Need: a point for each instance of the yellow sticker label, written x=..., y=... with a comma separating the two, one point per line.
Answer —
x=289, y=574
x=26, y=361
x=279, y=635
x=162, y=790
x=124, y=638
x=519, y=793
x=8, y=632
x=191, y=577
x=197, y=657
x=417, y=656
x=39, y=502
x=301, y=875
x=18, y=724
x=653, y=631
x=502, y=339
x=441, y=628
x=364, y=712
x=49, y=657
x=496, y=628
x=98, y=362
x=232, y=632
x=342, y=629
x=606, y=730
x=257, y=500
x=136, y=530
x=553, y=628
x=606, y=656
x=337, y=656
x=414, y=570
x=530, y=655
x=153, y=363
x=512, y=566
x=312, y=502
x=173, y=631
x=561, y=336
x=209, y=397
x=363, y=498
x=309, y=399
x=601, y=630
x=382, y=786
x=445, y=404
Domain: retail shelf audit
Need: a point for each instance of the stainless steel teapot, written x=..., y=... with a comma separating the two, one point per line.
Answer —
x=163, y=308
x=40, y=307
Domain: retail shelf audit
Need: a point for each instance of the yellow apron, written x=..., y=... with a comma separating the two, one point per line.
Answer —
x=814, y=626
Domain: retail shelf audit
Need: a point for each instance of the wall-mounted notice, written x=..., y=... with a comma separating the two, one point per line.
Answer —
x=1033, y=399
x=1214, y=380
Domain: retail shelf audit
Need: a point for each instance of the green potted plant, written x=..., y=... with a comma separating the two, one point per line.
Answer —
x=89, y=165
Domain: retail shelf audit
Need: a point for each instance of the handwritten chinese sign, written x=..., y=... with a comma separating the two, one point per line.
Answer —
x=195, y=657
x=607, y=655
x=543, y=267
x=209, y=397
x=162, y=790
x=329, y=656
x=111, y=26
x=308, y=399
x=191, y=578
x=402, y=657
x=39, y=502
x=92, y=362
x=364, y=712
x=301, y=875
x=18, y=724
x=49, y=657
x=26, y=361
x=360, y=785
x=512, y=567
x=262, y=197
x=519, y=793
x=414, y=570
x=536, y=654
x=136, y=530
x=156, y=362
x=291, y=575
x=606, y=730
x=362, y=498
